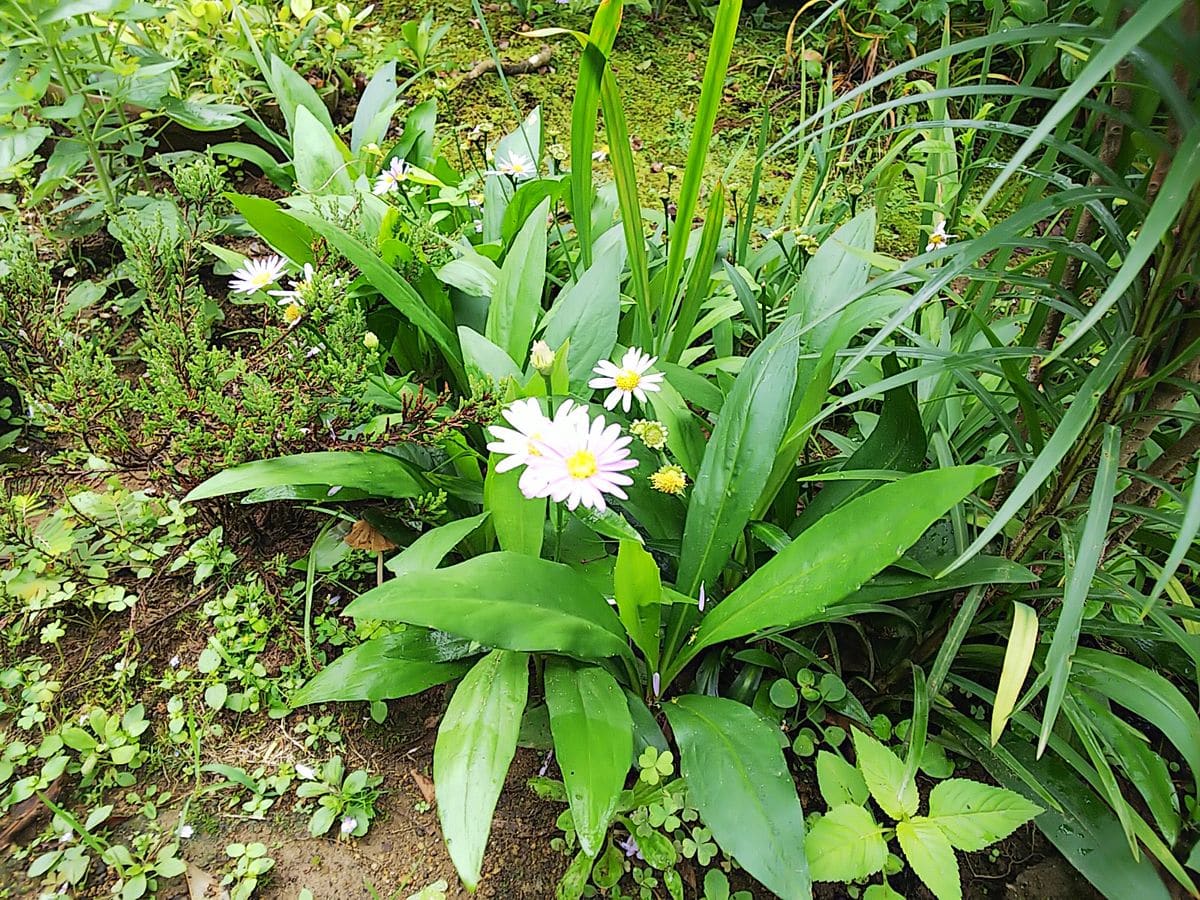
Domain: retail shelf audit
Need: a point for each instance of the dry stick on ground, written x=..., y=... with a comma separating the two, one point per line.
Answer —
x=521, y=67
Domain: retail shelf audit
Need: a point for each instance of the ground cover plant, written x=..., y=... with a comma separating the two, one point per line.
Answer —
x=803, y=506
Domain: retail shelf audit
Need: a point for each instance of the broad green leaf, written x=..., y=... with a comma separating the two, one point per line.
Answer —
x=375, y=108
x=835, y=556
x=696, y=290
x=372, y=671
x=637, y=587
x=428, y=551
x=588, y=311
x=883, y=771
x=506, y=600
x=279, y=175
x=593, y=743
x=1145, y=693
x=931, y=857
x=283, y=232
x=989, y=570
x=839, y=781
x=380, y=474
x=738, y=458
x=845, y=844
x=517, y=300
x=519, y=521
x=1022, y=642
x=293, y=92
x=738, y=779
x=485, y=360
x=973, y=815
x=839, y=269
x=475, y=745
x=320, y=162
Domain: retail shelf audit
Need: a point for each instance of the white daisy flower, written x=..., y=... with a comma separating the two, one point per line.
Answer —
x=391, y=177
x=531, y=430
x=630, y=379
x=580, y=463
x=516, y=166
x=257, y=274
x=299, y=285
x=938, y=237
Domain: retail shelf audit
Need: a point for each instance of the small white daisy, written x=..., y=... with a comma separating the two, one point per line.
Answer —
x=580, y=464
x=938, y=237
x=257, y=274
x=516, y=166
x=630, y=379
x=531, y=430
x=391, y=177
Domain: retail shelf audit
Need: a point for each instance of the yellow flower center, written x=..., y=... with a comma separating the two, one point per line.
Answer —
x=938, y=240
x=261, y=279
x=627, y=380
x=292, y=313
x=582, y=464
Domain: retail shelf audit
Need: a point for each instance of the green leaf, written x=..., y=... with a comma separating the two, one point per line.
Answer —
x=320, y=162
x=588, y=311
x=1022, y=642
x=379, y=473
x=293, y=92
x=517, y=300
x=593, y=743
x=1079, y=582
x=427, y=552
x=373, y=671
x=973, y=815
x=831, y=559
x=575, y=879
x=738, y=458
x=475, y=745
x=506, y=600
x=883, y=771
x=283, y=232
x=1145, y=693
x=215, y=695
x=720, y=47
x=395, y=289
x=375, y=108
x=839, y=781
x=637, y=586
x=931, y=857
x=845, y=844
x=519, y=521
x=738, y=779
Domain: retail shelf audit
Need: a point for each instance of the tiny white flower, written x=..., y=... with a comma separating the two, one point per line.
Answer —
x=479, y=226
x=630, y=379
x=349, y=824
x=186, y=831
x=257, y=274
x=315, y=350
x=175, y=661
x=391, y=177
x=516, y=166
x=308, y=773
x=295, y=293
x=938, y=237
x=600, y=156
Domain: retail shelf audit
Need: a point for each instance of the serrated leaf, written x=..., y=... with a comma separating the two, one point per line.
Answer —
x=884, y=774
x=839, y=781
x=845, y=844
x=973, y=815
x=931, y=857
